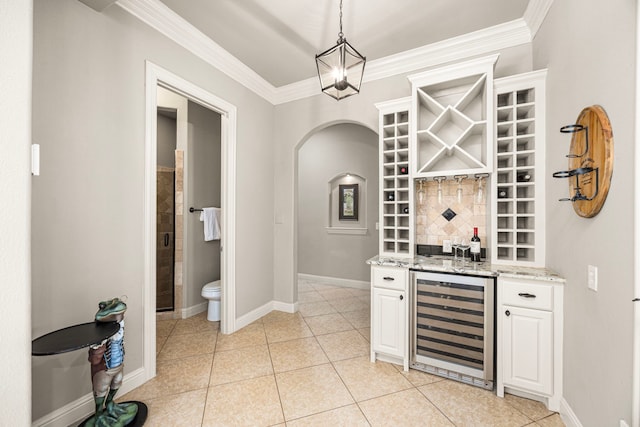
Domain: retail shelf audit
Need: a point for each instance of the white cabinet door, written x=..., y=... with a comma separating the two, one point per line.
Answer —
x=389, y=333
x=527, y=348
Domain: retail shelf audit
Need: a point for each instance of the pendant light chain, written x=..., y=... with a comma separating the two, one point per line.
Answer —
x=340, y=34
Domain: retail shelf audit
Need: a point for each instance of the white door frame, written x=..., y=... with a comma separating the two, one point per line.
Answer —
x=155, y=76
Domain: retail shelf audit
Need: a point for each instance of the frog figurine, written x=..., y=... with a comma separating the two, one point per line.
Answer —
x=107, y=362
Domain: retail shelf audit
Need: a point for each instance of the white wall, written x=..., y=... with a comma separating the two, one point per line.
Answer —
x=589, y=48
x=326, y=154
x=89, y=117
x=15, y=216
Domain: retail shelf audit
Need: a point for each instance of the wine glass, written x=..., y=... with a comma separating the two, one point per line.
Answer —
x=464, y=245
x=455, y=244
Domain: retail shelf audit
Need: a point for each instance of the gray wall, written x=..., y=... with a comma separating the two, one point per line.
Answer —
x=15, y=217
x=166, y=138
x=589, y=48
x=204, y=171
x=332, y=151
x=88, y=207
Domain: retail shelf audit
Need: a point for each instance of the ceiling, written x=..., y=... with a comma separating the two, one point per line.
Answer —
x=278, y=39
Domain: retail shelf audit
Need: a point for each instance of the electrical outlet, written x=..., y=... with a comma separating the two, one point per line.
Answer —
x=446, y=246
x=592, y=277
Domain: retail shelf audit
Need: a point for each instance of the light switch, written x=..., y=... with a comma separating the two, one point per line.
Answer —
x=446, y=246
x=592, y=279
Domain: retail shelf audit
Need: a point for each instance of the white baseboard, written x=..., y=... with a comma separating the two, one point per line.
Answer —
x=335, y=281
x=194, y=309
x=285, y=306
x=569, y=417
x=267, y=308
x=79, y=409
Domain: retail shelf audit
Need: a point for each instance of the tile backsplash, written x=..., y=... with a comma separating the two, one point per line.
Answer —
x=432, y=227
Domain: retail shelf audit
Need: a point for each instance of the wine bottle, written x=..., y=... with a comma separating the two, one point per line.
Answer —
x=525, y=177
x=475, y=246
x=391, y=197
x=502, y=193
x=403, y=170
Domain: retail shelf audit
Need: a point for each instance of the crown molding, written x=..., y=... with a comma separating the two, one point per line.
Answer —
x=158, y=16
x=477, y=43
x=535, y=13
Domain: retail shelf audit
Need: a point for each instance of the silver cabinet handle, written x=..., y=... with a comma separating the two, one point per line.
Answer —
x=526, y=295
x=401, y=297
x=388, y=278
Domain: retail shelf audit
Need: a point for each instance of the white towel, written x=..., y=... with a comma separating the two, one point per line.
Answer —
x=211, y=219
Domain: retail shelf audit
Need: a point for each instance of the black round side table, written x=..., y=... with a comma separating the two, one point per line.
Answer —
x=80, y=336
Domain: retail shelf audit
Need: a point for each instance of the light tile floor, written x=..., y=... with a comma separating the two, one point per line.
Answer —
x=308, y=369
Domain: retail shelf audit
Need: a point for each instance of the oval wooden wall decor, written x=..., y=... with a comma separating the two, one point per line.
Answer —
x=597, y=155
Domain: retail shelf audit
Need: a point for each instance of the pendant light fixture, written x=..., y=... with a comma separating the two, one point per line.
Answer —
x=340, y=68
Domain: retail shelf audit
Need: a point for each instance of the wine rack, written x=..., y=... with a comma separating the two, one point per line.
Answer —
x=518, y=183
x=452, y=132
x=396, y=213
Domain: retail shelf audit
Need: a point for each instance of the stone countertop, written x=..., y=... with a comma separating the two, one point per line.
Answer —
x=446, y=264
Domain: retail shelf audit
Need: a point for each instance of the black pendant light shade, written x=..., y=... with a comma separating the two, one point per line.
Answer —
x=340, y=68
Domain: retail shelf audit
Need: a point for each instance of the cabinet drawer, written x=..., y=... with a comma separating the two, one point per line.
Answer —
x=537, y=296
x=389, y=277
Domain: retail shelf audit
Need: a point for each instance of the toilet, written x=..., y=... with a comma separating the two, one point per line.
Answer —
x=211, y=291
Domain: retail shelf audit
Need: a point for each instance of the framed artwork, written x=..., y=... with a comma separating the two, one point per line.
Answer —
x=348, y=202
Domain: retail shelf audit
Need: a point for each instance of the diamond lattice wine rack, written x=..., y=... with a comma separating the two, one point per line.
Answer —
x=452, y=130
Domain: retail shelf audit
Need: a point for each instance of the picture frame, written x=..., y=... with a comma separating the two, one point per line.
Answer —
x=348, y=202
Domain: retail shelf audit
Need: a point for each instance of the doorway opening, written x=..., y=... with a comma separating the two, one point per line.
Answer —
x=159, y=77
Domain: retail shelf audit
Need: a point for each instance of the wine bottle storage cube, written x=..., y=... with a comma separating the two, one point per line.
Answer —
x=452, y=128
x=395, y=239
x=518, y=235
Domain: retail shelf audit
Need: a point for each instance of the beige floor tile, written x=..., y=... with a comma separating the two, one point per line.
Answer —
x=310, y=391
x=308, y=309
x=335, y=293
x=252, y=402
x=280, y=316
x=305, y=286
x=406, y=408
x=250, y=335
x=328, y=323
x=173, y=377
x=366, y=333
x=240, y=364
x=164, y=327
x=466, y=405
x=184, y=409
x=349, y=304
x=195, y=324
x=531, y=408
x=418, y=378
x=310, y=296
x=178, y=346
x=551, y=421
x=296, y=354
x=346, y=416
x=359, y=319
x=160, y=343
x=366, y=293
x=366, y=380
x=344, y=345
x=286, y=330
